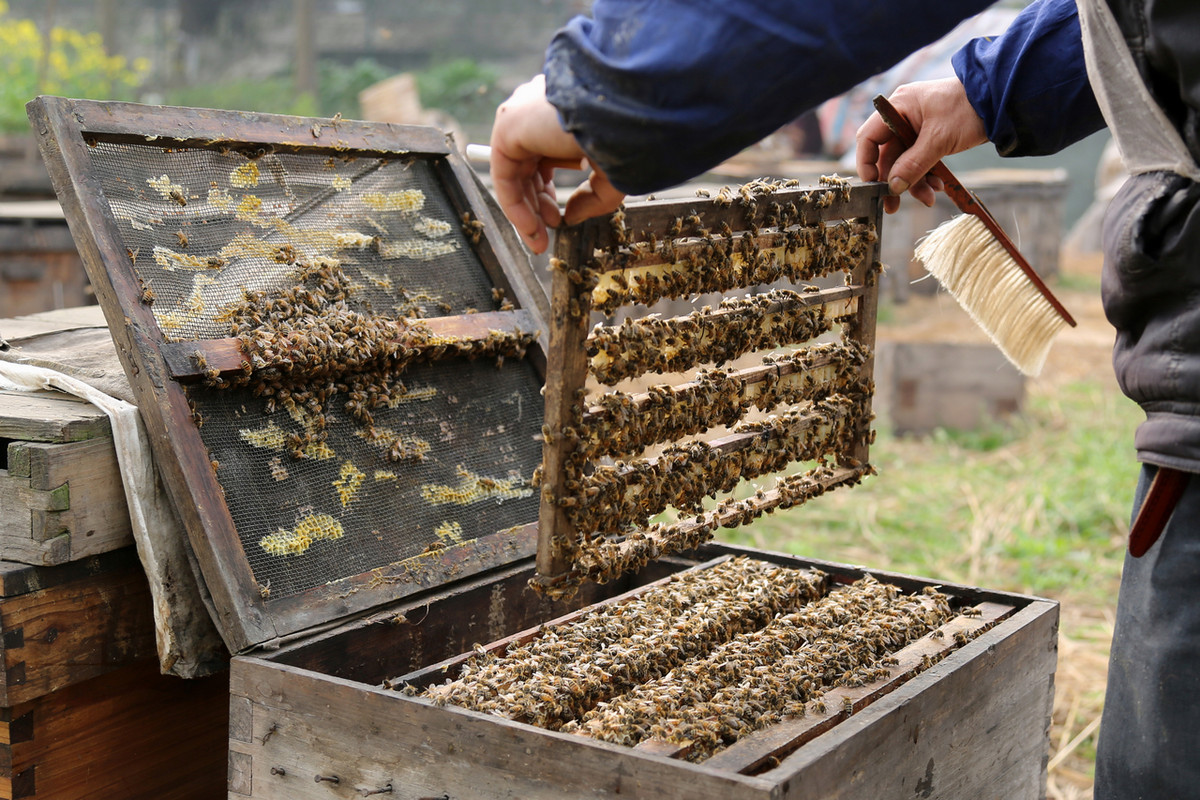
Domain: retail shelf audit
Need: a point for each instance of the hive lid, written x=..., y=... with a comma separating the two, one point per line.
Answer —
x=330, y=334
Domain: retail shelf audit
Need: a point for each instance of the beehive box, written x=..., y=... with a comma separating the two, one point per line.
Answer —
x=84, y=712
x=61, y=498
x=235, y=256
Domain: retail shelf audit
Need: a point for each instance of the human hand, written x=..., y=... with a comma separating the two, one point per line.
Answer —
x=528, y=144
x=945, y=123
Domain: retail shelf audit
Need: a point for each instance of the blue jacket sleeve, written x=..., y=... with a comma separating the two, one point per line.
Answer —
x=1030, y=84
x=658, y=91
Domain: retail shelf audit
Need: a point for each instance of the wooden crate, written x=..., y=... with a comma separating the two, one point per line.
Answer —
x=61, y=497
x=84, y=711
x=40, y=268
x=313, y=721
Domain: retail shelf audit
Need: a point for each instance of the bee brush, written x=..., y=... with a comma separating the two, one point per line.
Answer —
x=977, y=263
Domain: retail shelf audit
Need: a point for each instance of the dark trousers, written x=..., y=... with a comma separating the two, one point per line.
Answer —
x=1149, y=744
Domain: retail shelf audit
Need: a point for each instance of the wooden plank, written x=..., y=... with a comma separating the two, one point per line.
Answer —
x=567, y=366
x=74, y=630
x=170, y=126
x=974, y=725
x=50, y=417
x=369, y=738
x=770, y=745
x=227, y=357
x=448, y=668
x=862, y=328
x=17, y=579
x=133, y=734
x=91, y=518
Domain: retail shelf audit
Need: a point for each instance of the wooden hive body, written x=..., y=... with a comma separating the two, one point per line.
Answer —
x=309, y=716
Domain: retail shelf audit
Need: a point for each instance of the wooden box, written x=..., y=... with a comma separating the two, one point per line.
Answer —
x=61, y=497
x=374, y=591
x=312, y=720
x=84, y=712
x=39, y=266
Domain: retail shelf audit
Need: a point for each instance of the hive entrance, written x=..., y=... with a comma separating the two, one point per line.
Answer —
x=344, y=369
x=799, y=351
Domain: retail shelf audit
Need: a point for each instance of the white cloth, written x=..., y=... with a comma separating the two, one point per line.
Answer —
x=186, y=637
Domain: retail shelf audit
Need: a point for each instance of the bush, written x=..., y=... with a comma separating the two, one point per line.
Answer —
x=76, y=66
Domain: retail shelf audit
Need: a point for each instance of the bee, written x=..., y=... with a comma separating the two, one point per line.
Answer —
x=264, y=589
x=147, y=295
x=182, y=237
x=133, y=254
x=177, y=197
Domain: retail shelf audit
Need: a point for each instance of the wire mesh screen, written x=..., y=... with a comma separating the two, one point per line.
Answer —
x=336, y=463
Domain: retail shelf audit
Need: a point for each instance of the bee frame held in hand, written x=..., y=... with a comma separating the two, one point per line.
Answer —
x=784, y=247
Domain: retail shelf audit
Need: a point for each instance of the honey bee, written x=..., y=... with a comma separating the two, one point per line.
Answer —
x=182, y=237
x=177, y=197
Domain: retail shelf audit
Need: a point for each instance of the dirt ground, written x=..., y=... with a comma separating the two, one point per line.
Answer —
x=1085, y=633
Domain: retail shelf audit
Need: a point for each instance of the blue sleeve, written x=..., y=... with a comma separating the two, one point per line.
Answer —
x=658, y=91
x=1030, y=84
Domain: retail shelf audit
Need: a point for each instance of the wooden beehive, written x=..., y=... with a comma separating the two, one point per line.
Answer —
x=61, y=498
x=84, y=712
x=310, y=715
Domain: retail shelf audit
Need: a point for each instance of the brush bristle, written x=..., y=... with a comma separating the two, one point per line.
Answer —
x=985, y=280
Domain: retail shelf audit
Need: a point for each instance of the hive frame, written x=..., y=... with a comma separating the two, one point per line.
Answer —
x=668, y=228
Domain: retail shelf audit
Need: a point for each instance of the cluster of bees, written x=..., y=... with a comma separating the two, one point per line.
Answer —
x=739, y=326
x=602, y=559
x=707, y=263
x=685, y=473
x=701, y=661
x=567, y=670
x=621, y=423
x=314, y=343
x=757, y=679
x=818, y=396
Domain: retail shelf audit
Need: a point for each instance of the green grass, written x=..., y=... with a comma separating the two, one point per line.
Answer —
x=1040, y=506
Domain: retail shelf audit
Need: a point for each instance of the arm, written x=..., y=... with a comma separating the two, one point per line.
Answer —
x=657, y=91
x=1026, y=91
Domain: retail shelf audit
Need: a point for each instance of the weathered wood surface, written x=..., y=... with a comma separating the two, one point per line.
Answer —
x=62, y=502
x=50, y=417
x=300, y=730
x=974, y=725
x=567, y=366
x=750, y=754
x=76, y=628
x=131, y=734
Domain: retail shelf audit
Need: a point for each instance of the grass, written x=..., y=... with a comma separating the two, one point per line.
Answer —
x=1038, y=506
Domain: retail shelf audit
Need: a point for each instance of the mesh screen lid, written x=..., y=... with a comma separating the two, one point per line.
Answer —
x=336, y=354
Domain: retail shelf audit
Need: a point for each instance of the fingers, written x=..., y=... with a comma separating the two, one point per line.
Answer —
x=527, y=143
x=945, y=122
x=594, y=197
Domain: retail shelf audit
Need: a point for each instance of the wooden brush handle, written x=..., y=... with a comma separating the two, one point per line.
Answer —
x=967, y=202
